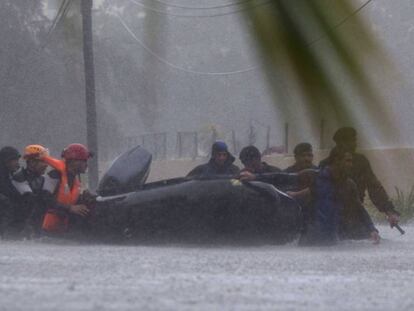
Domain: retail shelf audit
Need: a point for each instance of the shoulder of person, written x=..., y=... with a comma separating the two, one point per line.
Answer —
x=199, y=169
x=20, y=183
x=19, y=176
x=202, y=167
x=271, y=168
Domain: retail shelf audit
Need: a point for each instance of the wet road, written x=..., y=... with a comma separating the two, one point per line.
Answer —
x=350, y=276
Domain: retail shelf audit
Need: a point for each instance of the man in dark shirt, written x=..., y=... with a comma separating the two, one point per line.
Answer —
x=9, y=196
x=303, y=158
x=332, y=207
x=363, y=176
x=221, y=163
x=337, y=211
x=252, y=160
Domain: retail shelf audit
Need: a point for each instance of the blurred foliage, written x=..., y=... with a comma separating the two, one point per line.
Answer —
x=327, y=73
x=403, y=202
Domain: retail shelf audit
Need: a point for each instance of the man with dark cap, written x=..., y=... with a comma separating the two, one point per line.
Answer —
x=221, y=163
x=257, y=170
x=361, y=173
x=9, y=163
x=252, y=160
x=335, y=210
x=303, y=158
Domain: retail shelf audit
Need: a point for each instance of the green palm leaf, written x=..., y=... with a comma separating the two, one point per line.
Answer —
x=302, y=44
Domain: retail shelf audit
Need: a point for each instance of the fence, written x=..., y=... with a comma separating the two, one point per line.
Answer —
x=197, y=144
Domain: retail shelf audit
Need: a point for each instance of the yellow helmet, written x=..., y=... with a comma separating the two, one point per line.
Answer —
x=35, y=152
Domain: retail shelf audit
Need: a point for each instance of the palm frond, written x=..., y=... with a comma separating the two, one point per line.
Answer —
x=330, y=74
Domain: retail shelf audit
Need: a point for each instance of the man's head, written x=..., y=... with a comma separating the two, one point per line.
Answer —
x=303, y=155
x=9, y=159
x=251, y=158
x=219, y=153
x=340, y=161
x=33, y=155
x=36, y=166
x=346, y=137
x=76, y=157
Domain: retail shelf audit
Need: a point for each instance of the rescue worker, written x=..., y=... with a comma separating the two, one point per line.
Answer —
x=65, y=185
x=221, y=163
x=303, y=153
x=303, y=158
x=29, y=182
x=362, y=174
x=252, y=160
x=9, y=196
x=336, y=207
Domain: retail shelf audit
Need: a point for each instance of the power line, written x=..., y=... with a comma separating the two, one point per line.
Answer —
x=343, y=21
x=58, y=13
x=236, y=3
x=224, y=73
x=166, y=62
x=204, y=15
x=61, y=13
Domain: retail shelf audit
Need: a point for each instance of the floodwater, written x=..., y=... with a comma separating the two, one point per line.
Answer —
x=355, y=275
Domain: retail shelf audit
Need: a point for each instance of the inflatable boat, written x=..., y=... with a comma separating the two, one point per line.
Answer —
x=194, y=210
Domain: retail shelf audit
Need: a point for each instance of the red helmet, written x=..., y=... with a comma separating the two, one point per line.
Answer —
x=76, y=152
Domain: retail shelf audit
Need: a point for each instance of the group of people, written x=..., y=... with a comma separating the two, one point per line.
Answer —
x=33, y=202
x=331, y=194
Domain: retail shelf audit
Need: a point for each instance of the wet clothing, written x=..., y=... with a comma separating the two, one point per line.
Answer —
x=266, y=168
x=365, y=180
x=327, y=207
x=336, y=212
x=33, y=198
x=280, y=180
x=303, y=202
x=295, y=168
x=58, y=220
x=6, y=214
x=26, y=181
x=6, y=187
x=9, y=196
x=61, y=187
x=212, y=169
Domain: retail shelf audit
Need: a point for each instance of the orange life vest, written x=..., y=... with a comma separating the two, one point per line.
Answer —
x=53, y=221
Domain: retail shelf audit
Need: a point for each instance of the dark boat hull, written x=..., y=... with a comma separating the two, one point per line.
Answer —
x=199, y=211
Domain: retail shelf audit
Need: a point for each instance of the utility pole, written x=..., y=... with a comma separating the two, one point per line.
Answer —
x=91, y=120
